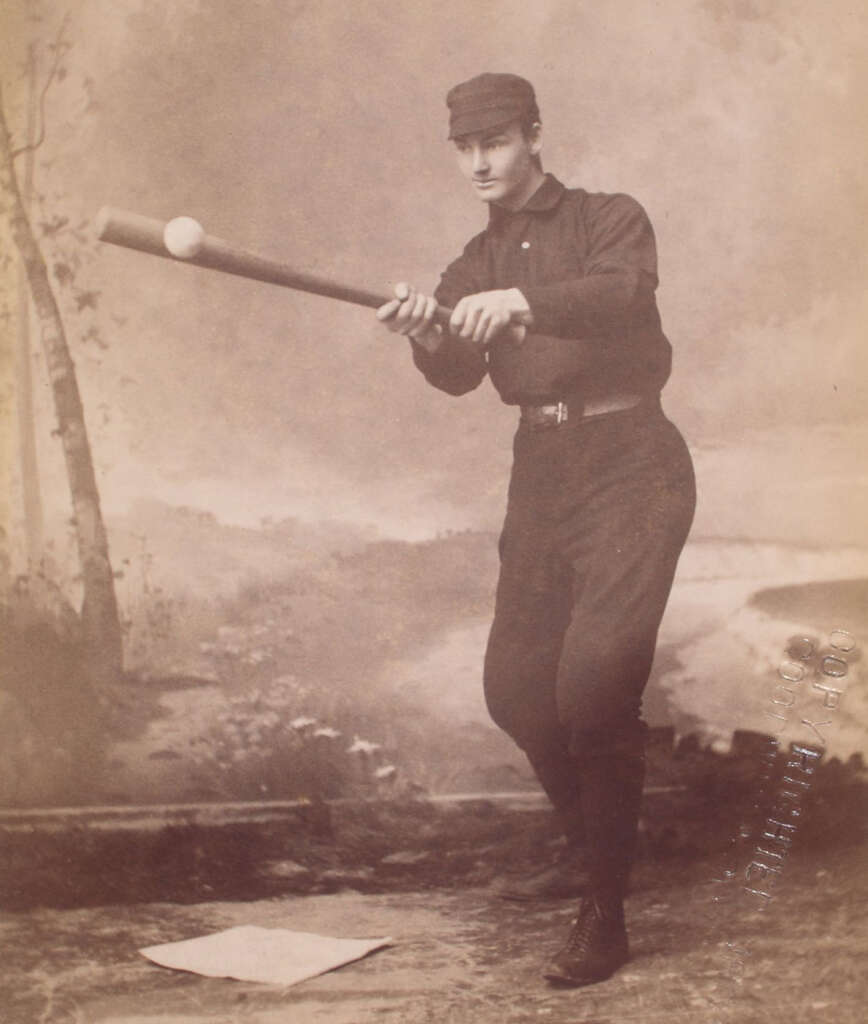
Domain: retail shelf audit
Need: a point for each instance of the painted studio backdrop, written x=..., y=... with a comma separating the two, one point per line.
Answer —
x=302, y=532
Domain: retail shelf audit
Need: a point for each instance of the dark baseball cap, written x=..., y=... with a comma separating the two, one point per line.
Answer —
x=488, y=100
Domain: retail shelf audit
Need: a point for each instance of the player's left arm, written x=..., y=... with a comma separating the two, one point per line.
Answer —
x=483, y=316
x=620, y=275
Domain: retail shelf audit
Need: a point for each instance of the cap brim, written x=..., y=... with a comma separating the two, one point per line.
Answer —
x=481, y=120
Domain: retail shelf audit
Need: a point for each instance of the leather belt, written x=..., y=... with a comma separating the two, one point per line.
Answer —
x=555, y=414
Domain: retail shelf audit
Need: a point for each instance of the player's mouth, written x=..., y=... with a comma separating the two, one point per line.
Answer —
x=484, y=182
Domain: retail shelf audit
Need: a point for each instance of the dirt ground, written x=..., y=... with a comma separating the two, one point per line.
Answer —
x=463, y=956
x=426, y=875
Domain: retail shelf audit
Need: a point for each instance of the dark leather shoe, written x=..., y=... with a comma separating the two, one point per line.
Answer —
x=566, y=879
x=596, y=948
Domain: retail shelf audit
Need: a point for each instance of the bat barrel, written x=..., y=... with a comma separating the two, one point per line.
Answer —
x=133, y=231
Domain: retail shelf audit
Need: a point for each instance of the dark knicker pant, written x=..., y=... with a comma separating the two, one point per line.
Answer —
x=598, y=512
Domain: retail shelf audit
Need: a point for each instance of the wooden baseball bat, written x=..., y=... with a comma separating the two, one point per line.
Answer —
x=133, y=231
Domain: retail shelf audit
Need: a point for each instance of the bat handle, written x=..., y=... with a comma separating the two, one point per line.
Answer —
x=441, y=313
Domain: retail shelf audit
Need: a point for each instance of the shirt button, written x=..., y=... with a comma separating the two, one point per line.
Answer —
x=525, y=245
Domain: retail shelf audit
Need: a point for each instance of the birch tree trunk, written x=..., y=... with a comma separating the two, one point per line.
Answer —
x=100, y=622
x=30, y=489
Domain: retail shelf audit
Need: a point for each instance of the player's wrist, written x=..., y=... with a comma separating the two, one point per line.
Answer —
x=430, y=338
x=520, y=310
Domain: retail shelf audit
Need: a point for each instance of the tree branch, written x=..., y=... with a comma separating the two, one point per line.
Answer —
x=60, y=49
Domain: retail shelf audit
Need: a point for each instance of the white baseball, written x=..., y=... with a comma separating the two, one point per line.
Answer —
x=183, y=237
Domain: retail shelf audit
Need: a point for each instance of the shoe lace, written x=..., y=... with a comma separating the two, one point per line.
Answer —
x=583, y=932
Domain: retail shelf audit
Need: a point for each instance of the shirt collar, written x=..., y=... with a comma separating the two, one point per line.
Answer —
x=546, y=197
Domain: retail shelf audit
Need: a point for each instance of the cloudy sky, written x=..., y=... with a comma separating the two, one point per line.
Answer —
x=315, y=133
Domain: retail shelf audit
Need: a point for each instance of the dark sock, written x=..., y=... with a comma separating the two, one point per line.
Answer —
x=558, y=774
x=611, y=795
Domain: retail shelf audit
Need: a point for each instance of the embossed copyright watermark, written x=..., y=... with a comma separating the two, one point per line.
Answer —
x=811, y=681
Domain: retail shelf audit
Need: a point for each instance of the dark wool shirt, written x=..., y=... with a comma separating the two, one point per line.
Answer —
x=587, y=265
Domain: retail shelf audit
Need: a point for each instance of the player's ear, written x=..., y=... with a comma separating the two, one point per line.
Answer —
x=534, y=138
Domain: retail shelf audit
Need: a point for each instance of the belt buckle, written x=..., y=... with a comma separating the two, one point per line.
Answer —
x=545, y=417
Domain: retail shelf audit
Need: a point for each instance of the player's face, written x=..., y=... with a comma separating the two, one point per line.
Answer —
x=499, y=164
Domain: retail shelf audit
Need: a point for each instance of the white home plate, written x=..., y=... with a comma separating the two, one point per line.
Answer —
x=250, y=953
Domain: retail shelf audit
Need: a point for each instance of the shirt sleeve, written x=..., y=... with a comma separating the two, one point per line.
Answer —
x=458, y=365
x=620, y=274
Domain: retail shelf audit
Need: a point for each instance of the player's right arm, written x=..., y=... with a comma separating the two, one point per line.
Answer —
x=412, y=314
x=453, y=364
